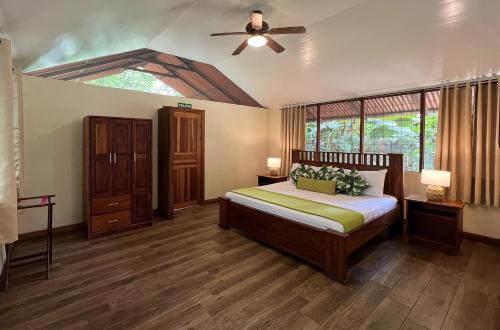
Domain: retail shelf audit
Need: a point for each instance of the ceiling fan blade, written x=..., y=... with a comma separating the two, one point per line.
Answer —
x=227, y=34
x=274, y=45
x=240, y=48
x=288, y=30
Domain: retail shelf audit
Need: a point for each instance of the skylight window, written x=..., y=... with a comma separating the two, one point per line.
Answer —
x=136, y=81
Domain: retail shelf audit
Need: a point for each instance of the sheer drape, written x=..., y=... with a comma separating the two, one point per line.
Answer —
x=8, y=208
x=293, y=126
x=487, y=145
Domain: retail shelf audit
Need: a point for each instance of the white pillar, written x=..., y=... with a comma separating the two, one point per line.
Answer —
x=8, y=198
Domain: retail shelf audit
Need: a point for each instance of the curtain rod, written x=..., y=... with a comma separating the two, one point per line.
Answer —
x=474, y=81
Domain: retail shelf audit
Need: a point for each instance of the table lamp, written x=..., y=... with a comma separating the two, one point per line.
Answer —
x=274, y=165
x=435, y=180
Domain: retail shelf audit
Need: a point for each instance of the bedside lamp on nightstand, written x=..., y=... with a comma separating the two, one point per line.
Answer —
x=274, y=165
x=436, y=180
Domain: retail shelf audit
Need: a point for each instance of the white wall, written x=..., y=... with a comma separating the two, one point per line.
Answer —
x=480, y=220
x=236, y=141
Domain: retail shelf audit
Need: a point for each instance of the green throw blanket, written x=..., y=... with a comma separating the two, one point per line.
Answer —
x=349, y=219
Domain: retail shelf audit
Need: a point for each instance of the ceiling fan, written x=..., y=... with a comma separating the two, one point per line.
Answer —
x=258, y=31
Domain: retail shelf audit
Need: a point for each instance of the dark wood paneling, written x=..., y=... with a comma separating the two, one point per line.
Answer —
x=101, y=157
x=122, y=133
x=142, y=170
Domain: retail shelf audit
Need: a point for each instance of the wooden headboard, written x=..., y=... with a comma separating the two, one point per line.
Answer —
x=364, y=162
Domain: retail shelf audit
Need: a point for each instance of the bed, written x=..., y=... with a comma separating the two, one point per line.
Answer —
x=319, y=241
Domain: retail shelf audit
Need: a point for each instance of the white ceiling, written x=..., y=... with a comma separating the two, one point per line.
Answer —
x=351, y=48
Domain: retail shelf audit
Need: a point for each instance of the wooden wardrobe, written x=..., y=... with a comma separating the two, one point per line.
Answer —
x=181, y=144
x=117, y=174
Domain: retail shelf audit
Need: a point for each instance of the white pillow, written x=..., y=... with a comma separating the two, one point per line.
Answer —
x=376, y=181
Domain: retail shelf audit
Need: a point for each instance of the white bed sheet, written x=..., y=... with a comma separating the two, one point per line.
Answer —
x=369, y=207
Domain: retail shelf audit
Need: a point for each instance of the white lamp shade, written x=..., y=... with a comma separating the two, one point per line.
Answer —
x=274, y=162
x=436, y=178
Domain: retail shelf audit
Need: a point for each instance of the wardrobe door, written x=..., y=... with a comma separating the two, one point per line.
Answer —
x=101, y=157
x=141, y=170
x=187, y=158
x=122, y=155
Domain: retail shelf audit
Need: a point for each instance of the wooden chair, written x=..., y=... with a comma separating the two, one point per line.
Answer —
x=46, y=255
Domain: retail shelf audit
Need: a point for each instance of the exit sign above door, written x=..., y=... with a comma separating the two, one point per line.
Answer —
x=184, y=105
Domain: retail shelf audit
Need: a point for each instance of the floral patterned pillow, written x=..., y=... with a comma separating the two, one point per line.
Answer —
x=324, y=173
x=304, y=171
x=353, y=183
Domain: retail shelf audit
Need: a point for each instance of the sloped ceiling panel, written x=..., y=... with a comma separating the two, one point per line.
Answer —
x=352, y=47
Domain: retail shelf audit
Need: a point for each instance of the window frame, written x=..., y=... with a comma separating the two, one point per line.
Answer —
x=421, y=92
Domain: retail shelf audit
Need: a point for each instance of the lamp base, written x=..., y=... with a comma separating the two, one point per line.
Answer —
x=434, y=193
x=274, y=171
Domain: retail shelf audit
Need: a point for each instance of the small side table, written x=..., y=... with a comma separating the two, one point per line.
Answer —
x=265, y=179
x=434, y=224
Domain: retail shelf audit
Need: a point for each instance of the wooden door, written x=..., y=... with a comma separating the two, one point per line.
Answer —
x=141, y=170
x=122, y=172
x=187, y=137
x=101, y=157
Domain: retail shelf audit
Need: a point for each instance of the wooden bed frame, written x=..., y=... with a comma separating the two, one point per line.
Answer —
x=327, y=249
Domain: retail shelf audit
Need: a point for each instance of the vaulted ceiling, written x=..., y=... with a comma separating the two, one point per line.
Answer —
x=351, y=48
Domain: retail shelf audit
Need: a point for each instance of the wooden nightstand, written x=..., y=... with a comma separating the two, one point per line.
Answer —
x=434, y=224
x=264, y=179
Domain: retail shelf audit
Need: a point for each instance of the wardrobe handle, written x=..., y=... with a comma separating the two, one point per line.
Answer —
x=111, y=221
x=112, y=204
x=115, y=157
x=110, y=157
x=135, y=158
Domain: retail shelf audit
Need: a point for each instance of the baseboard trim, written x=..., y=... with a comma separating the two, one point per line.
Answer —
x=210, y=201
x=481, y=238
x=56, y=230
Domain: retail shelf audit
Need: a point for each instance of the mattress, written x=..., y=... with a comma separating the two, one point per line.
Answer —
x=370, y=207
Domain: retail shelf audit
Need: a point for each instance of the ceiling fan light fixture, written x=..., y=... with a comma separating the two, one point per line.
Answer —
x=257, y=41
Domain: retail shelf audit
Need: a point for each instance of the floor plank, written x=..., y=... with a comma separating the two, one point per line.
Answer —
x=189, y=273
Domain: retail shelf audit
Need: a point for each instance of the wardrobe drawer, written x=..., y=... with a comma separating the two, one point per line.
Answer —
x=111, y=204
x=110, y=221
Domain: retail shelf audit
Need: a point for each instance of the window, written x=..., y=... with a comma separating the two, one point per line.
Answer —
x=311, y=127
x=137, y=81
x=392, y=125
x=432, y=100
x=340, y=126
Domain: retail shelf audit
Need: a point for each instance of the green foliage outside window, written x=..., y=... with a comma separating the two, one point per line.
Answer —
x=395, y=133
x=137, y=81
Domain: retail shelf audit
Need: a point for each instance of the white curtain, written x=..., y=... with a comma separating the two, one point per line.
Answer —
x=8, y=198
x=293, y=133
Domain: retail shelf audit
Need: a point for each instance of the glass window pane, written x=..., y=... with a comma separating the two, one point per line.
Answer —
x=392, y=125
x=432, y=100
x=137, y=81
x=311, y=125
x=340, y=126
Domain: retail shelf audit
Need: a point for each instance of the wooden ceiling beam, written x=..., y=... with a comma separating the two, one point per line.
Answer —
x=152, y=72
x=68, y=68
x=84, y=73
x=166, y=65
x=209, y=80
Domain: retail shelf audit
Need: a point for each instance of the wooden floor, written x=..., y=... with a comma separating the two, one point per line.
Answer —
x=189, y=273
